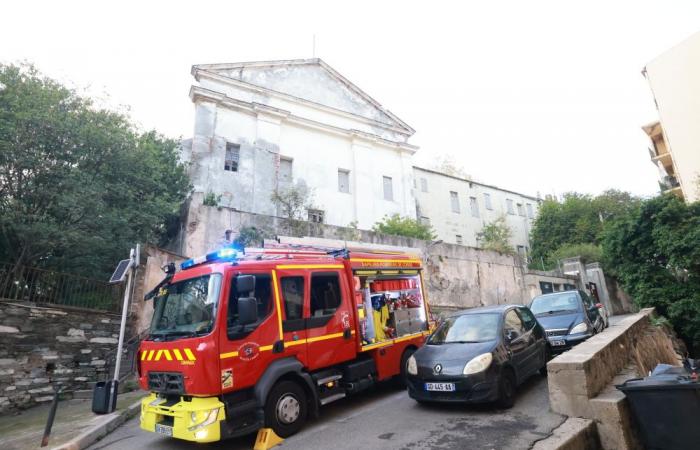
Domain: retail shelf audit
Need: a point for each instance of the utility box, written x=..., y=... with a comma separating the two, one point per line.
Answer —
x=101, y=403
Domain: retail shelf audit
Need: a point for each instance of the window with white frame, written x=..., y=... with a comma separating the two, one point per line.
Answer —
x=388, y=188
x=487, y=201
x=509, y=206
x=530, y=211
x=521, y=210
x=424, y=185
x=344, y=181
x=233, y=154
x=454, y=201
x=474, y=206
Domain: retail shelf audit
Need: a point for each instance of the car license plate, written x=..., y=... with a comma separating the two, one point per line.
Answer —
x=557, y=342
x=440, y=387
x=164, y=429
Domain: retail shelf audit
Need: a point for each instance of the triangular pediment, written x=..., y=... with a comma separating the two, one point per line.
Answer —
x=311, y=80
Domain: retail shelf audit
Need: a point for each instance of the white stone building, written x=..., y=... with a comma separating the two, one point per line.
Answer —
x=458, y=208
x=262, y=125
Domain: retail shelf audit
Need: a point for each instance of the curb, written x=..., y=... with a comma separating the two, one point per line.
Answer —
x=105, y=426
x=573, y=434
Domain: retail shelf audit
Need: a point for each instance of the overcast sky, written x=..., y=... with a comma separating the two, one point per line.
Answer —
x=535, y=96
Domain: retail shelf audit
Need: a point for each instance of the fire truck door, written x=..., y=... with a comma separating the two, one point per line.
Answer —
x=294, y=293
x=330, y=330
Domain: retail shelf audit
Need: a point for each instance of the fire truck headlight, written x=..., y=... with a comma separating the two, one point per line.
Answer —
x=412, y=367
x=210, y=418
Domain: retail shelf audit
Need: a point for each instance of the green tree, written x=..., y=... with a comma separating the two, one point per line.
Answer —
x=293, y=204
x=78, y=185
x=496, y=236
x=397, y=225
x=654, y=250
x=577, y=219
x=250, y=236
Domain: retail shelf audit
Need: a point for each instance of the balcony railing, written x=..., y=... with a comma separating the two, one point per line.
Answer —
x=48, y=287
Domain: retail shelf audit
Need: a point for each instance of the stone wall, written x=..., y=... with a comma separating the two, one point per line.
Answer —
x=40, y=346
x=457, y=276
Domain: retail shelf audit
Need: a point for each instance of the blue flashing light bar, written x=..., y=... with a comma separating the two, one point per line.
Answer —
x=223, y=254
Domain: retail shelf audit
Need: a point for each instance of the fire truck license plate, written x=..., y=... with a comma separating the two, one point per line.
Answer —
x=440, y=387
x=164, y=429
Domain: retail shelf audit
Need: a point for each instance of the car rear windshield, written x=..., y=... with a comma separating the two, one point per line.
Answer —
x=467, y=328
x=557, y=303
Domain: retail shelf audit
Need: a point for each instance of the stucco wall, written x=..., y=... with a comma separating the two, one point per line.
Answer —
x=457, y=276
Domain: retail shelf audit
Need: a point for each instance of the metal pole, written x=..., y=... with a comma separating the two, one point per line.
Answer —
x=122, y=329
x=52, y=415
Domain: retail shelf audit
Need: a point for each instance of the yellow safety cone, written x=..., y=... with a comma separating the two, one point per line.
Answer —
x=266, y=439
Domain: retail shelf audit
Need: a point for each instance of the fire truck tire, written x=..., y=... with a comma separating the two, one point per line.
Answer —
x=286, y=408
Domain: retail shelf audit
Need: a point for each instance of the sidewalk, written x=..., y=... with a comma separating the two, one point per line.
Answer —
x=74, y=422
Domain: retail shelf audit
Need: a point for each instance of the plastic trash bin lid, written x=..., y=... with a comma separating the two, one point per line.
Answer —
x=658, y=382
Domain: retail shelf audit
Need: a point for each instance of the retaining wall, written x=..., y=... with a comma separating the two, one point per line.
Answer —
x=44, y=345
x=581, y=380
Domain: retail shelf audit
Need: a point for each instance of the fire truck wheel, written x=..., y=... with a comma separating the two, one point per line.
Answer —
x=285, y=408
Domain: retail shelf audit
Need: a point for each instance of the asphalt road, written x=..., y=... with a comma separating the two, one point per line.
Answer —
x=386, y=418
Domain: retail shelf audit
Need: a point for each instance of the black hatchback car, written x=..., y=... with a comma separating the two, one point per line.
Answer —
x=568, y=317
x=478, y=355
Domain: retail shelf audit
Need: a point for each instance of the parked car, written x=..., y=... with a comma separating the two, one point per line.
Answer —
x=478, y=355
x=567, y=317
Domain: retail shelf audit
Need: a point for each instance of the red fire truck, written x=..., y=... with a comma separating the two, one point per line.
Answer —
x=262, y=338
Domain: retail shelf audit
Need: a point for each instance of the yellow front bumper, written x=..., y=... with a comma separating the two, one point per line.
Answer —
x=197, y=420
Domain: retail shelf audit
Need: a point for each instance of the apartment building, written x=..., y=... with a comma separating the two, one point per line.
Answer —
x=674, y=79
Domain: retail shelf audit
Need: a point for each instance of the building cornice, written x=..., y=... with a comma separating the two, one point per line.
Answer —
x=198, y=93
x=199, y=73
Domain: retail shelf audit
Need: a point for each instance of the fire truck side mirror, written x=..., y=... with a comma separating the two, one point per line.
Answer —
x=245, y=284
x=247, y=310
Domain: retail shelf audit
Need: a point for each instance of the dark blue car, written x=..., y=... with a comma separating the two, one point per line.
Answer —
x=567, y=317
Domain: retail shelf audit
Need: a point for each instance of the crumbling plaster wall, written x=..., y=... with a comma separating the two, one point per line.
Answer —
x=319, y=142
x=456, y=277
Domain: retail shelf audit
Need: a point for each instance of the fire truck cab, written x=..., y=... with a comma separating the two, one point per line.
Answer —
x=265, y=337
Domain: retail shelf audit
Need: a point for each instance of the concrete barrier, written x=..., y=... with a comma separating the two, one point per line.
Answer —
x=581, y=380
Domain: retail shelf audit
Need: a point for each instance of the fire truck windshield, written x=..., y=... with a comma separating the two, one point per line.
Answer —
x=186, y=308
